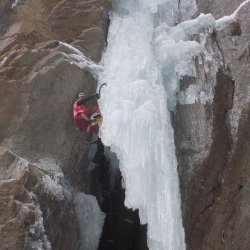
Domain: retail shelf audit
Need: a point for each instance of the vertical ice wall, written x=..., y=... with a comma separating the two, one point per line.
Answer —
x=136, y=121
x=145, y=58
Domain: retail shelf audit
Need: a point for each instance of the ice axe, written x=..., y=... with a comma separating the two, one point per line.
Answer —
x=99, y=92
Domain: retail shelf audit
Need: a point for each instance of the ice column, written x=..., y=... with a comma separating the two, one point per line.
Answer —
x=136, y=119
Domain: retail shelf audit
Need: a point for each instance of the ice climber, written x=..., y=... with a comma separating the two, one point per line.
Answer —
x=86, y=112
x=87, y=116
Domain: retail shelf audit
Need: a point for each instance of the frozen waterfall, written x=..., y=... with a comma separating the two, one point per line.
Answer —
x=145, y=58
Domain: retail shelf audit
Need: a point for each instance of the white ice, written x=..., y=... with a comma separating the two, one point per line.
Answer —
x=137, y=124
x=14, y=5
x=90, y=219
x=145, y=59
x=147, y=56
x=222, y=22
x=175, y=53
x=76, y=57
x=187, y=9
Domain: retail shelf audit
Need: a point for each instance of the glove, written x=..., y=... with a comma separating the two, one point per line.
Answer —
x=98, y=96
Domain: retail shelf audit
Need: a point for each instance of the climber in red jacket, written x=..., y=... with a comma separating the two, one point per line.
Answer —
x=87, y=117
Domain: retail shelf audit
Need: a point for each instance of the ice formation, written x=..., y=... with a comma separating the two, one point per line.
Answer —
x=91, y=220
x=222, y=22
x=145, y=59
x=175, y=53
x=14, y=5
x=38, y=239
x=52, y=186
x=76, y=57
x=187, y=9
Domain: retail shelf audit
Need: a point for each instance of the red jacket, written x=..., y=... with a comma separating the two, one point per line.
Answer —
x=82, y=116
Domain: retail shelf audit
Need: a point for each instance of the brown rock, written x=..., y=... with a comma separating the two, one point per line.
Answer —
x=213, y=142
x=33, y=207
x=39, y=83
x=218, y=8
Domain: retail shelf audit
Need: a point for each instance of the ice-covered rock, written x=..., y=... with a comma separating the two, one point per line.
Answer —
x=212, y=138
x=90, y=220
x=33, y=205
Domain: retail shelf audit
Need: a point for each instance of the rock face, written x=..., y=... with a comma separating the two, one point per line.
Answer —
x=38, y=82
x=40, y=76
x=43, y=159
x=212, y=138
x=34, y=208
x=218, y=8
